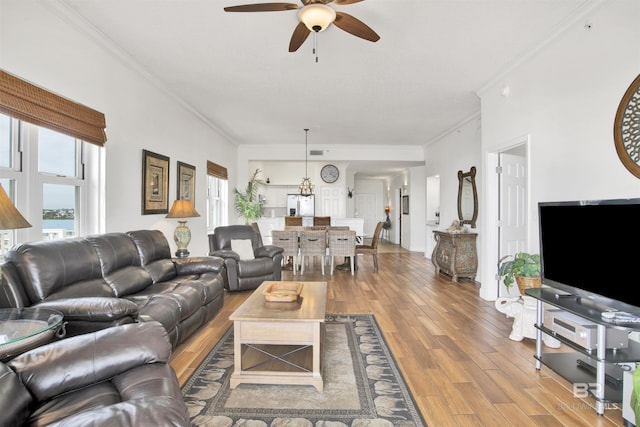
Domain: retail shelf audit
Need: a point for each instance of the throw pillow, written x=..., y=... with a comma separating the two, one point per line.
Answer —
x=243, y=248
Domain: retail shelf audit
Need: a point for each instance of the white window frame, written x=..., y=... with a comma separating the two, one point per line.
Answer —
x=29, y=183
x=221, y=206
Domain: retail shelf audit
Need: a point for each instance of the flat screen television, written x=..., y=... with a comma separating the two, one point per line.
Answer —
x=591, y=249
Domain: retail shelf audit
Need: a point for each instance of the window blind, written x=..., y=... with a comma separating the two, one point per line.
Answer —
x=26, y=101
x=216, y=170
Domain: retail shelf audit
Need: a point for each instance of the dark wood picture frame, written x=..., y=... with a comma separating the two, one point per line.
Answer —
x=186, y=185
x=405, y=205
x=155, y=183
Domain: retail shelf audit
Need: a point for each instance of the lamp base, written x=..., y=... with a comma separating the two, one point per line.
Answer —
x=182, y=237
x=182, y=253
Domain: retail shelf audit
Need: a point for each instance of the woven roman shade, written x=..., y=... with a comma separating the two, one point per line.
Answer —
x=216, y=170
x=26, y=101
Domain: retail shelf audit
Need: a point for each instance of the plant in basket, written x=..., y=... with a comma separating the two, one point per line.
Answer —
x=522, y=268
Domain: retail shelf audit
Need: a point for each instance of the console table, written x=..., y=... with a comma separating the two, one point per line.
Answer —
x=455, y=254
x=599, y=374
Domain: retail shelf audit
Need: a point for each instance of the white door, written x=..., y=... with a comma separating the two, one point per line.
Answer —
x=365, y=205
x=333, y=202
x=513, y=204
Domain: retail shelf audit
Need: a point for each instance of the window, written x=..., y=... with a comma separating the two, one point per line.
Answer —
x=5, y=141
x=217, y=196
x=43, y=172
x=216, y=202
x=7, y=237
x=49, y=157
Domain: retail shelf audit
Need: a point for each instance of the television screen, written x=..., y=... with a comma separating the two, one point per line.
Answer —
x=592, y=249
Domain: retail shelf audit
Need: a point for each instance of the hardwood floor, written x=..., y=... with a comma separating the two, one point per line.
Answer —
x=451, y=346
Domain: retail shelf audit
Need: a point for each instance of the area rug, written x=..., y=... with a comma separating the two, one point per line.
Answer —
x=362, y=386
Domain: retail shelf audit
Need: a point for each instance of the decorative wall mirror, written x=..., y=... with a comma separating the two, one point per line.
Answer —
x=625, y=128
x=467, y=197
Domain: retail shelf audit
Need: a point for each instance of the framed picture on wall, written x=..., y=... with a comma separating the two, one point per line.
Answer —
x=155, y=183
x=186, y=182
x=405, y=205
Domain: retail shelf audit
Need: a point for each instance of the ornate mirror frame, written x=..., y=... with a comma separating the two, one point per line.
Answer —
x=467, y=192
x=626, y=128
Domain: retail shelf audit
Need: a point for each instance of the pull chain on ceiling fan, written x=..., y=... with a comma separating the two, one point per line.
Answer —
x=315, y=16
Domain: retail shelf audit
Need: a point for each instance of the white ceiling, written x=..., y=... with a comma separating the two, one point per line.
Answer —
x=417, y=82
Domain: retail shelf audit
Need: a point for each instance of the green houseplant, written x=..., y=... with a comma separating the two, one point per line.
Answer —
x=248, y=203
x=522, y=268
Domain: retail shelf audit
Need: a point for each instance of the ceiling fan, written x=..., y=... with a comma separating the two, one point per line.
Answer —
x=316, y=16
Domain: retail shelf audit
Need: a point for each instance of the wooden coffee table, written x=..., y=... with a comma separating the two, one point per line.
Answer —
x=280, y=342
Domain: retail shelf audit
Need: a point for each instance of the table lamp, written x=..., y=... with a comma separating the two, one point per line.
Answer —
x=182, y=236
x=10, y=218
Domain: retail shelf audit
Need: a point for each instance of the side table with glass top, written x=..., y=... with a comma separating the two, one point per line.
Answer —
x=22, y=329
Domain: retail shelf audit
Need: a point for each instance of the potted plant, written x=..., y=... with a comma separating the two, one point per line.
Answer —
x=248, y=203
x=523, y=268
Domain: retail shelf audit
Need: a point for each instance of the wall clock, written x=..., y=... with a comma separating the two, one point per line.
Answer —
x=329, y=174
x=626, y=128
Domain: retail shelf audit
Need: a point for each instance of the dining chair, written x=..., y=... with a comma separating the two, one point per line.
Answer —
x=322, y=220
x=313, y=243
x=287, y=240
x=342, y=244
x=293, y=220
x=371, y=249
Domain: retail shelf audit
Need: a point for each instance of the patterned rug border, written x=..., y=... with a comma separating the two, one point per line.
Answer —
x=351, y=417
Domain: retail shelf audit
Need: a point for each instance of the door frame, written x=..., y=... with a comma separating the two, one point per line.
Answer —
x=490, y=246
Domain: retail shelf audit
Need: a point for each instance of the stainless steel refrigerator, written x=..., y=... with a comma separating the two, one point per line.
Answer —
x=304, y=206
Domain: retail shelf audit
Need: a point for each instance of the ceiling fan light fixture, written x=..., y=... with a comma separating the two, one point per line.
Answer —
x=317, y=16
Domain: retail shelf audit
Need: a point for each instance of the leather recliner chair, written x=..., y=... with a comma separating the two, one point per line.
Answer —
x=245, y=271
x=119, y=376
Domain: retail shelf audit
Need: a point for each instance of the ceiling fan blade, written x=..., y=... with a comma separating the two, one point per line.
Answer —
x=356, y=27
x=298, y=37
x=261, y=7
x=343, y=2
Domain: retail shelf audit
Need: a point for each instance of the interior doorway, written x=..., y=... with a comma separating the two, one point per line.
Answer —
x=513, y=191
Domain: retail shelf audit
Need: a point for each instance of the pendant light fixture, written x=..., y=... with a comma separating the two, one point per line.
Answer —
x=306, y=187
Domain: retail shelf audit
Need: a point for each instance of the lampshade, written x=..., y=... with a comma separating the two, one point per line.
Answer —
x=316, y=16
x=182, y=209
x=10, y=218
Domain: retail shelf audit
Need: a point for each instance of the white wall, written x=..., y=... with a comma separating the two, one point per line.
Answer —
x=458, y=150
x=564, y=98
x=43, y=45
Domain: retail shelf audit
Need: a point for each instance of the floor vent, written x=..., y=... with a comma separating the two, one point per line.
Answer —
x=316, y=153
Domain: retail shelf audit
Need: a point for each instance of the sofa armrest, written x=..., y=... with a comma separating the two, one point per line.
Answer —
x=225, y=253
x=162, y=411
x=12, y=293
x=198, y=265
x=15, y=400
x=79, y=361
x=98, y=309
x=268, y=251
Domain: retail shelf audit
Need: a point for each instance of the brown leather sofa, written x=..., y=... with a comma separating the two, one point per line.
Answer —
x=114, y=279
x=116, y=377
x=245, y=271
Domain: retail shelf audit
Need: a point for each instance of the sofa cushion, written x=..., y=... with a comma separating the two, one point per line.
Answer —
x=155, y=254
x=120, y=263
x=97, y=309
x=47, y=266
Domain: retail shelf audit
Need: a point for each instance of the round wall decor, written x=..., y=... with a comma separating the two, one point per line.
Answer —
x=329, y=174
x=626, y=128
